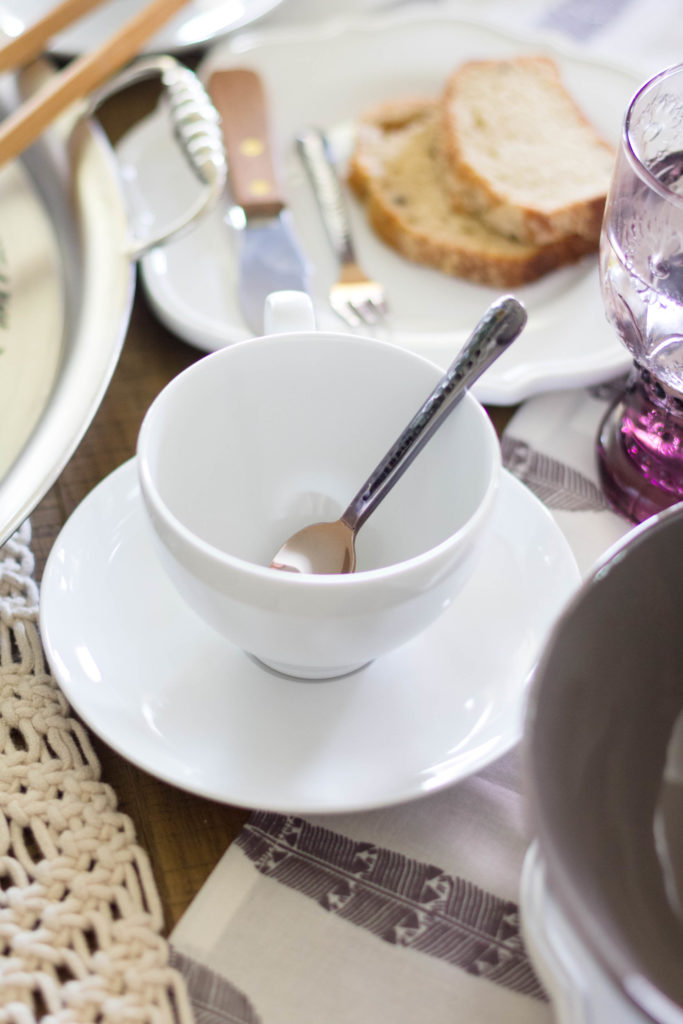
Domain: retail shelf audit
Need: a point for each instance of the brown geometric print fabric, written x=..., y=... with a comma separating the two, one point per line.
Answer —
x=400, y=900
x=557, y=485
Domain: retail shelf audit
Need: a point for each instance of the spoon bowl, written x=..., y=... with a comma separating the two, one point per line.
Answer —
x=319, y=548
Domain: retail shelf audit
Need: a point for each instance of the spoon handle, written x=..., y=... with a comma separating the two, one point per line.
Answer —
x=494, y=333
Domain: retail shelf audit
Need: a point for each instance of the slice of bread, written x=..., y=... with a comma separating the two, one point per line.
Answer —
x=519, y=153
x=396, y=169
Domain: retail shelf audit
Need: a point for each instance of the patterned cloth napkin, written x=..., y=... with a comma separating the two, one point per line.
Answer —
x=411, y=913
x=408, y=913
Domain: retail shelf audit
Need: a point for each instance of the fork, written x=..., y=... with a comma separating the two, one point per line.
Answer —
x=354, y=297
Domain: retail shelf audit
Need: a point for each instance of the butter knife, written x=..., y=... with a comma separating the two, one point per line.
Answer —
x=269, y=258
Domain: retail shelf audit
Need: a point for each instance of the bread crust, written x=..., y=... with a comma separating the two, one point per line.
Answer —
x=396, y=171
x=477, y=185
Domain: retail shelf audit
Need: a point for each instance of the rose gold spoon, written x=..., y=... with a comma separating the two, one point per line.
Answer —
x=330, y=547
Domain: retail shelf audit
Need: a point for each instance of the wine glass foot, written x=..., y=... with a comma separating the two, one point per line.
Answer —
x=640, y=449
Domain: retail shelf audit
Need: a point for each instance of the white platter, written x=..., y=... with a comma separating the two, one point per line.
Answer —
x=177, y=699
x=326, y=75
x=580, y=991
x=200, y=22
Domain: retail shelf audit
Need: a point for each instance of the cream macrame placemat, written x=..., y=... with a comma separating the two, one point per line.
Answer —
x=80, y=915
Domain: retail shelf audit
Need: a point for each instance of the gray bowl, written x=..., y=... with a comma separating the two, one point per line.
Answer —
x=604, y=701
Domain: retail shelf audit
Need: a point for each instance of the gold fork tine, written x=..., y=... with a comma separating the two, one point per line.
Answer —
x=355, y=297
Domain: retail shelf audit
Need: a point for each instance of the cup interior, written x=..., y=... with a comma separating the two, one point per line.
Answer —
x=253, y=442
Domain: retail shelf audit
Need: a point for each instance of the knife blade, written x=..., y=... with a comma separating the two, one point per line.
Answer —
x=269, y=258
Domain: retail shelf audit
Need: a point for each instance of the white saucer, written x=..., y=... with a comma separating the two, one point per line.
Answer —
x=181, y=702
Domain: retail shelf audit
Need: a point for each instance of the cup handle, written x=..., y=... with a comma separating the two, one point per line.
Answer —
x=288, y=312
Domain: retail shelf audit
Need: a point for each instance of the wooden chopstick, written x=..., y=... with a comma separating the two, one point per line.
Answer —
x=31, y=42
x=81, y=76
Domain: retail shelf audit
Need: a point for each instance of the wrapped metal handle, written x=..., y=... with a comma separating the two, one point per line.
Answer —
x=196, y=127
x=315, y=154
x=495, y=332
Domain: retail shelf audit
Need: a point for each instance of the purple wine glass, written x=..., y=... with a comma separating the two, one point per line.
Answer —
x=640, y=440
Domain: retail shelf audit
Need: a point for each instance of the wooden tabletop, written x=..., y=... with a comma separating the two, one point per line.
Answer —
x=184, y=835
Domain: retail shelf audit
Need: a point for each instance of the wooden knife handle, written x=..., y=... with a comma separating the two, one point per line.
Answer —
x=239, y=97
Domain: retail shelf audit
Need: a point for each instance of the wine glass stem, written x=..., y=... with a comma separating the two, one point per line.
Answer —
x=640, y=448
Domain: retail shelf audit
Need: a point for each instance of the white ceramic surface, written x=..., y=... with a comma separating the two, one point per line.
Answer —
x=256, y=441
x=293, y=12
x=200, y=22
x=32, y=309
x=580, y=991
x=192, y=283
x=175, y=698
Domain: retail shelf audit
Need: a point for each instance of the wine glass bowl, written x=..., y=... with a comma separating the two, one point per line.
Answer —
x=640, y=441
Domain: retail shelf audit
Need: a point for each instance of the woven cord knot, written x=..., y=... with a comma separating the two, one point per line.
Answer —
x=80, y=915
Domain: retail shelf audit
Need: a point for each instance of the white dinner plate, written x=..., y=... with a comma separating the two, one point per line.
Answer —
x=199, y=22
x=326, y=75
x=177, y=699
